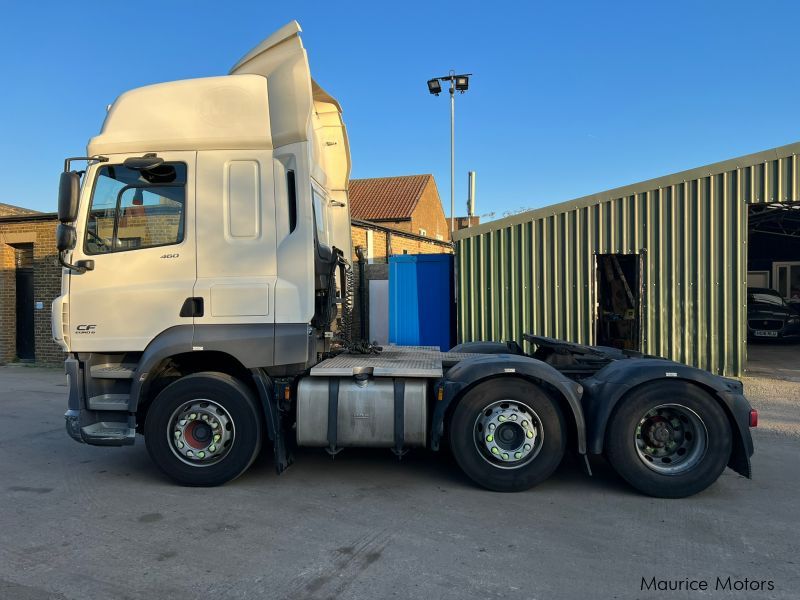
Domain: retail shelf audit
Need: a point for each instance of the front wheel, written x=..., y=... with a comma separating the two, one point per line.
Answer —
x=204, y=429
x=669, y=439
x=507, y=435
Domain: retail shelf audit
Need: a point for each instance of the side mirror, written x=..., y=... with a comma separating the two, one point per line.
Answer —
x=65, y=237
x=68, y=194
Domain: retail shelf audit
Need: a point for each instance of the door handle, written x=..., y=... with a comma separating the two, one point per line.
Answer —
x=192, y=307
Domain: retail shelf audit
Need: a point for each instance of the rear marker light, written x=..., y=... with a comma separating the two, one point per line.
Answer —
x=754, y=418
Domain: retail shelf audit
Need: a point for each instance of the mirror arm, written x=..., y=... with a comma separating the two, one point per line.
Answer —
x=81, y=266
x=96, y=158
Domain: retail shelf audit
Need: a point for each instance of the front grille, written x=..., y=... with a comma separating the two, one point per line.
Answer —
x=765, y=324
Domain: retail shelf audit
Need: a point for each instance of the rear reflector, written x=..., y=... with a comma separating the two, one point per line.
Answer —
x=754, y=418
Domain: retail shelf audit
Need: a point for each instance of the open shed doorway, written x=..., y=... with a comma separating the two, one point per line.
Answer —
x=773, y=288
x=617, y=321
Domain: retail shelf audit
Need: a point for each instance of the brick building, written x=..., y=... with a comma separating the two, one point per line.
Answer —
x=30, y=278
x=465, y=222
x=408, y=203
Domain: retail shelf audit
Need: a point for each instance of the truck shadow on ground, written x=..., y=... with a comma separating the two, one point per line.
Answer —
x=370, y=467
x=421, y=468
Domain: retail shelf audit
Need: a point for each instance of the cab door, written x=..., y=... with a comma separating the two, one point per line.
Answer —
x=136, y=225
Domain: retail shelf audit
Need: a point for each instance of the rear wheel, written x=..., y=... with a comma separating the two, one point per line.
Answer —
x=507, y=435
x=204, y=429
x=669, y=439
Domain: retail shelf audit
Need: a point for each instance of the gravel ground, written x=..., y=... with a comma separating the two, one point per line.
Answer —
x=778, y=405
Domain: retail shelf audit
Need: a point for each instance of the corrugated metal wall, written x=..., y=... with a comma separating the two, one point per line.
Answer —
x=535, y=272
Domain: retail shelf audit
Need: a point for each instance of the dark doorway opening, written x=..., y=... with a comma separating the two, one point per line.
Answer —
x=23, y=260
x=617, y=322
x=773, y=288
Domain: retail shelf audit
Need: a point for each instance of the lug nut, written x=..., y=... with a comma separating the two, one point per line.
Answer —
x=513, y=417
x=201, y=454
x=217, y=437
x=517, y=454
x=489, y=438
x=192, y=416
x=527, y=447
x=530, y=434
x=495, y=450
x=212, y=448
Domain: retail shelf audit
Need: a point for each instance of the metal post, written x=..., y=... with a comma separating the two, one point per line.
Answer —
x=452, y=156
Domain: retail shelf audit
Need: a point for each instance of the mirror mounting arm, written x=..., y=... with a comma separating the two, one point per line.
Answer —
x=80, y=267
x=96, y=158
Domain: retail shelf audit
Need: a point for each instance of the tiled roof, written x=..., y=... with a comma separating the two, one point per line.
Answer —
x=9, y=210
x=392, y=198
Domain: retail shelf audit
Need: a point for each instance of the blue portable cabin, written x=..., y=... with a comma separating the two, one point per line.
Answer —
x=421, y=300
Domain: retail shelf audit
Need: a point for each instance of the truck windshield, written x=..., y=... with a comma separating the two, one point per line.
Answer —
x=133, y=209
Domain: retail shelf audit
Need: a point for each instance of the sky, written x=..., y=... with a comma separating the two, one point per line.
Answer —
x=566, y=98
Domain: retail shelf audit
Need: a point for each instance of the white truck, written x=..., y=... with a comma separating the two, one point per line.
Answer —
x=206, y=270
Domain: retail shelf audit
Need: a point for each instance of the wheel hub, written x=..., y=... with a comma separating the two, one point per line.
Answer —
x=658, y=432
x=508, y=434
x=671, y=439
x=201, y=432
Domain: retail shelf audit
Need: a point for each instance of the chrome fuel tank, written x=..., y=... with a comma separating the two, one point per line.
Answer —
x=376, y=412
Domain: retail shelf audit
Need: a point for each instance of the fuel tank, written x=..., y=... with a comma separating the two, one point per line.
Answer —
x=369, y=411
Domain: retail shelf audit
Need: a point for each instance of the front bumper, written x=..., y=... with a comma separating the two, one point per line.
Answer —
x=787, y=332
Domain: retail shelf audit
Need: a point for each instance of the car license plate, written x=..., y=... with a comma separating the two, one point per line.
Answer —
x=766, y=333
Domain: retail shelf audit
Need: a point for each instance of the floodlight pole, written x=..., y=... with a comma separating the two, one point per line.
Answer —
x=452, y=155
x=460, y=83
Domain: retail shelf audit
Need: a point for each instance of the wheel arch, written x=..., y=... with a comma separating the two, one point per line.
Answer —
x=471, y=372
x=607, y=390
x=155, y=375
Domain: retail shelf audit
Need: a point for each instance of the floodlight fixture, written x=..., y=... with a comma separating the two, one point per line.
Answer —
x=434, y=87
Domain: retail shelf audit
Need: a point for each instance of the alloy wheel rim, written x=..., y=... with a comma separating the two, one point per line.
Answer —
x=671, y=439
x=508, y=434
x=200, y=433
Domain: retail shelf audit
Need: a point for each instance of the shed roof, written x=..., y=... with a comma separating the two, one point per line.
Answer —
x=386, y=198
x=724, y=166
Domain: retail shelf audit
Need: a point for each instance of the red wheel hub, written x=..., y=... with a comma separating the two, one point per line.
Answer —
x=197, y=434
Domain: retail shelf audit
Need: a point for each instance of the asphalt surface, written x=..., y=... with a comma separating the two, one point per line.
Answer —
x=81, y=522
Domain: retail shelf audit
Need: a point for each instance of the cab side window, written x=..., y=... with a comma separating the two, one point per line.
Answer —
x=133, y=209
x=321, y=216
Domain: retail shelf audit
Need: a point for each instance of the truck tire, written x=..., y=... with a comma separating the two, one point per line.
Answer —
x=507, y=435
x=204, y=429
x=669, y=439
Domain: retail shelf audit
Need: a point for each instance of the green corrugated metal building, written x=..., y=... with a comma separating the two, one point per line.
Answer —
x=537, y=271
